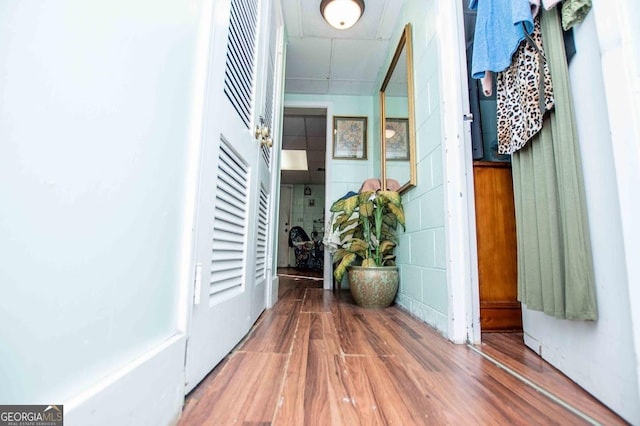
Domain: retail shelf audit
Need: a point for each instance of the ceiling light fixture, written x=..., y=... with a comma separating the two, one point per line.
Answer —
x=342, y=14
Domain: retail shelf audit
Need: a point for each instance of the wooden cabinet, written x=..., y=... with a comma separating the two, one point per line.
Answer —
x=497, y=255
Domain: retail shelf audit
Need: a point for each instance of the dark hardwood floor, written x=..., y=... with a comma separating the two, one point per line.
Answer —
x=317, y=359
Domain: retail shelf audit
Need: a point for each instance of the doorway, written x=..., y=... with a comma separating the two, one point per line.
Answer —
x=302, y=190
x=500, y=310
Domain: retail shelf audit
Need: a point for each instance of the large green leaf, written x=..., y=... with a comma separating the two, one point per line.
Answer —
x=356, y=245
x=398, y=211
x=350, y=204
x=390, y=221
x=339, y=221
x=341, y=268
x=366, y=208
x=342, y=224
x=365, y=196
x=392, y=196
x=389, y=261
x=386, y=245
x=369, y=263
x=339, y=254
x=337, y=206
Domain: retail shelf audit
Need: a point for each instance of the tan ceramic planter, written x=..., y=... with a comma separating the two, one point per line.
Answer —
x=373, y=287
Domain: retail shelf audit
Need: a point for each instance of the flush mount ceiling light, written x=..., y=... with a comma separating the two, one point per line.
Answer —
x=342, y=14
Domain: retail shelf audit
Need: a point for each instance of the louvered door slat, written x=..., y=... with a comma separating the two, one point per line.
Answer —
x=229, y=268
x=233, y=177
x=233, y=196
x=228, y=249
x=240, y=63
x=270, y=95
x=261, y=234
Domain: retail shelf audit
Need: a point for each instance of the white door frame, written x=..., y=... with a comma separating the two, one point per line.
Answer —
x=462, y=251
x=290, y=208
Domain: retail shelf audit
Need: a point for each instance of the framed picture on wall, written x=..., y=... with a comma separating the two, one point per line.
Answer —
x=397, y=140
x=350, y=138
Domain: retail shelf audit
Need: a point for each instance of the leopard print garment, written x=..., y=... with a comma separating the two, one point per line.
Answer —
x=519, y=112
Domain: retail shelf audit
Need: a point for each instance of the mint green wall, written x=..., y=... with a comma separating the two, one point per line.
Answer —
x=421, y=251
x=396, y=106
x=93, y=124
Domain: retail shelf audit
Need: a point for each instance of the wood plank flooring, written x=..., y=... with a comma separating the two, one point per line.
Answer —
x=317, y=359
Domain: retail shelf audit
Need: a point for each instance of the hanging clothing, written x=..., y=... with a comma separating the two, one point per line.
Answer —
x=555, y=262
x=522, y=97
x=499, y=31
x=549, y=4
x=535, y=7
x=574, y=12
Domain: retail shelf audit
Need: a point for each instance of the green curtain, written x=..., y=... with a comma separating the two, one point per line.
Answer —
x=555, y=264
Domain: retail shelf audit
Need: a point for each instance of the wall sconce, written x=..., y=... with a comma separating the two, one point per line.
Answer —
x=342, y=14
x=307, y=190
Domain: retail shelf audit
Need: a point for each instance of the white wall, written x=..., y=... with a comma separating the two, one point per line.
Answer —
x=309, y=217
x=619, y=37
x=600, y=355
x=94, y=118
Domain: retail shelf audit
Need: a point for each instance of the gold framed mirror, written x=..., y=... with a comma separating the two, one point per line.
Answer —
x=397, y=126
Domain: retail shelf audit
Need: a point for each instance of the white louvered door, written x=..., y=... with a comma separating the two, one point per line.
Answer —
x=232, y=233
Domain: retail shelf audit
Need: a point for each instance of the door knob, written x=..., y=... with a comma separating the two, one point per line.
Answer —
x=263, y=133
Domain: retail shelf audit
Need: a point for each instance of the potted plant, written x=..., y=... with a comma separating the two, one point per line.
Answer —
x=366, y=224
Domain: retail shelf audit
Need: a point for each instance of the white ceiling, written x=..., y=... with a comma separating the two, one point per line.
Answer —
x=305, y=129
x=324, y=60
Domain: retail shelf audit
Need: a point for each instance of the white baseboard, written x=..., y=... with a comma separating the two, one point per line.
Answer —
x=272, y=298
x=148, y=391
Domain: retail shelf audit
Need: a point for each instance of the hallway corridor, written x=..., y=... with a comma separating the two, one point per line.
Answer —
x=317, y=359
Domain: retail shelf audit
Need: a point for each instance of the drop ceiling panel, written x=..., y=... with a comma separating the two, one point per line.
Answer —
x=316, y=142
x=316, y=127
x=305, y=129
x=305, y=111
x=294, y=142
x=357, y=59
x=316, y=53
x=306, y=86
x=389, y=19
x=293, y=126
x=315, y=165
x=295, y=177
